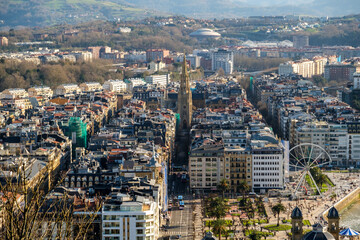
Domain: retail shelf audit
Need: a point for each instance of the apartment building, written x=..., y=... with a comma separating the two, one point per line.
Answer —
x=224, y=59
x=123, y=218
x=240, y=166
x=161, y=80
x=67, y=90
x=156, y=54
x=115, y=85
x=90, y=87
x=206, y=164
x=356, y=81
x=267, y=165
x=13, y=93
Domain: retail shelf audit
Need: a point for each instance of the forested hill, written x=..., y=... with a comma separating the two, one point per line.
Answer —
x=244, y=8
x=30, y=13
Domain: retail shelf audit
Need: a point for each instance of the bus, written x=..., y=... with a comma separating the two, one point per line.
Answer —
x=181, y=205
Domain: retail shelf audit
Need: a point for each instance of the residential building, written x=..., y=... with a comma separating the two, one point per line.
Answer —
x=206, y=164
x=13, y=93
x=161, y=80
x=124, y=218
x=267, y=164
x=339, y=72
x=156, y=66
x=223, y=59
x=4, y=41
x=300, y=41
x=156, y=54
x=90, y=86
x=42, y=91
x=67, y=90
x=356, y=82
x=115, y=85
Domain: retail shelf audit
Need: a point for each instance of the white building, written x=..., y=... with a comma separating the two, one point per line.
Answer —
x=115, y=85
x=267, y=166
x=43, y=91
x=356, y=80
x=286, y=68
x=222, y=59
x=161, y=80
x=67, y=90
x=133, y=82
x=83, y=56
x=13, y=93
x=123, y=219
x=194, y=60
x=90, y=87
x=124, y=29
x=156, y=66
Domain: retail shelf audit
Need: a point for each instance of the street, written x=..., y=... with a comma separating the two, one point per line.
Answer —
x=181, y=221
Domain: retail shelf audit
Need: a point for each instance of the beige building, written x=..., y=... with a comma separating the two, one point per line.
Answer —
x=42, y=91
x=115, y=85
x=90, y=87
x=13, y=93
x=239, y=160
x=4, y=41
x=319, y=65
x=67, y=90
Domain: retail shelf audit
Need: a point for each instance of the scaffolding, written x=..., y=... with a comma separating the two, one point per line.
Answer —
x=76, y=131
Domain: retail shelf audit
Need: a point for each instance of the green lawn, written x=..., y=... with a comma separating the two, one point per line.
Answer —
x=306, y=223
x=209, y=223
x=263, y=234
x=281, y=227
x=251, y=222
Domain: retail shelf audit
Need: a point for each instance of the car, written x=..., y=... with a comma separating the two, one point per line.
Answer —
x=180, y=197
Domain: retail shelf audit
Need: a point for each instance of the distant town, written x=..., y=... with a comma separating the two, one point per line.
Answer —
x=227, y=138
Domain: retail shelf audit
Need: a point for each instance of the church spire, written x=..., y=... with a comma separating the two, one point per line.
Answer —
x=184, y=66
x=184, y=104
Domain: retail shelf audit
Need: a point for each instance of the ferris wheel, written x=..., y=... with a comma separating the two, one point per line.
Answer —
x=303, y=158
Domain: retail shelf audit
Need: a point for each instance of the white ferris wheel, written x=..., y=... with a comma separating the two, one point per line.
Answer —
x=303, y=158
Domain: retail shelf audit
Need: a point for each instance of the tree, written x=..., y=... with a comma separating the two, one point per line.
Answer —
x=243, y=187
x=277, y=209
x=254, y=235
x=219, y=227
x=216, y=207
x=322, y=179
x=220, y=72
x=29, y=212
x=223, y=187
x=319, y=80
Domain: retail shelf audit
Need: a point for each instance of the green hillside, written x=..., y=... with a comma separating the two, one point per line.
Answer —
x=47, y=12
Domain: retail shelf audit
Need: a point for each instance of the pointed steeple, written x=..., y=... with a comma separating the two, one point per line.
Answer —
x=184, y=67
x=184, y=80
x=184, y=104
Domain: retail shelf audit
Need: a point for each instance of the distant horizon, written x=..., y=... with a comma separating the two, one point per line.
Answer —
x=15, y=14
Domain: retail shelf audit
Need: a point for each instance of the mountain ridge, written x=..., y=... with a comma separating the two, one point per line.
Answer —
x=15, y=13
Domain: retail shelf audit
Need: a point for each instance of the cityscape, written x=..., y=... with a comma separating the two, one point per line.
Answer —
x=147, y=123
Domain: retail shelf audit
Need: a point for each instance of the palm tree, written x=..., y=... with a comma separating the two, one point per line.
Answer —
x=243, y=187
x=277, y=209
x=255, y=235
x=219, y=227
x=223, y=187
x=321, y=180
x=217, y=208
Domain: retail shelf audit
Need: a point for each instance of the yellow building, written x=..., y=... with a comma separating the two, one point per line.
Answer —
x=239, y=170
